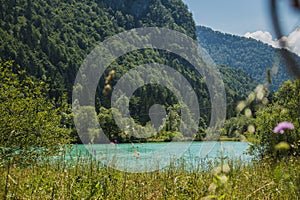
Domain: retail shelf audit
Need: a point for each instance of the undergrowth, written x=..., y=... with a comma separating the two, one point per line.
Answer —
x=89, y=179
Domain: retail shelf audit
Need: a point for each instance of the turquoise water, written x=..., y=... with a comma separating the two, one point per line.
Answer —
x=146, y=157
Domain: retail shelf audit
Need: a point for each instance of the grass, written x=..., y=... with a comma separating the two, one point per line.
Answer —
x=89, y=179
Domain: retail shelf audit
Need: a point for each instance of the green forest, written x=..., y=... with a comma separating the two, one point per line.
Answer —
x=44, y=43
x=246, y=54
x=49, y=43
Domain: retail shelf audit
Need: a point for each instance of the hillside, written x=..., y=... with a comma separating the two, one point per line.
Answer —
x=50, y=39
x=247, y=54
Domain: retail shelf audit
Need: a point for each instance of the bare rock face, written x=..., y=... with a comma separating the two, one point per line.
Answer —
x=136, y=8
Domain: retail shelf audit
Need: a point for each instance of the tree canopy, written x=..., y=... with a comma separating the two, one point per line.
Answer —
x=249, y=55
x=50, y=39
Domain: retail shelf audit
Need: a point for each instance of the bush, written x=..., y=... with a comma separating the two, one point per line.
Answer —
x=30, y=124
x=285, y=107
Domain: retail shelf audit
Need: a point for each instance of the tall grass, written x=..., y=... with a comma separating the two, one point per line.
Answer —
x=83, y=177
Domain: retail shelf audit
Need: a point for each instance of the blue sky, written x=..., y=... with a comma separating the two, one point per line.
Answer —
x=239, y=16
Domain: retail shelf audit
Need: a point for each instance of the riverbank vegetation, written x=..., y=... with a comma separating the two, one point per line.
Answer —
x=89, y=179
x=273, y=174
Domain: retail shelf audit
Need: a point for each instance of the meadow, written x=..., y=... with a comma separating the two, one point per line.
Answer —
x=87, y=178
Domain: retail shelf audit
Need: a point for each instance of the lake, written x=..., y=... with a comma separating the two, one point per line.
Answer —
x=146, y=157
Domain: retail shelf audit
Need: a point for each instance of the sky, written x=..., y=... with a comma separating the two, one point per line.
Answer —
x=238, y=16
x=249, y=18
x=230, y=16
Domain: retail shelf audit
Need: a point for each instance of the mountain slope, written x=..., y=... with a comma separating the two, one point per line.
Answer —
x=50, y=39
x=249, y=55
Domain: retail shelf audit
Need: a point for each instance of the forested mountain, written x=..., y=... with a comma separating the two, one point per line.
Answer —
x=251, y=56
x=50, y=40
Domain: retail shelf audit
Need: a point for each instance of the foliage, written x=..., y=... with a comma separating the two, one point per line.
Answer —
x=237, y=86
x=169, y=129
x=89, y=179
x=249, y=55
x=51, y=38
x=236, y=126
x=285, y=107
x=30, y=124
x=46, y=39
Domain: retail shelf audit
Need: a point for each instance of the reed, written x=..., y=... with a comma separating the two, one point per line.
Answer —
x=83, y=177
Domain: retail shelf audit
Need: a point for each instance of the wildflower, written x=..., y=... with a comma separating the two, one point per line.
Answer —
x=251, y=97
x=112, y=73
x=260, y=92
x=216, y=171
x=212, y=187
x=251, y=129
x=241, y=105
x=282, y=146
x=265, y=101
x=248, y=113
x=225, y=168
x=282, y=126
x=223, y=179
x=106, y=89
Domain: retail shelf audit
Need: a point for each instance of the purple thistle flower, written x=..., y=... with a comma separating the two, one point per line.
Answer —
x=282, y=126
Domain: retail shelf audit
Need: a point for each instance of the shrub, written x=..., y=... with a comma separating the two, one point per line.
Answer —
x=30, y=123
x=285, y=107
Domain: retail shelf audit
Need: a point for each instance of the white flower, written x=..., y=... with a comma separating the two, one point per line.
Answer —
x=212, y=187
x=223, y=179
x=216, y=171
x=225, y=168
